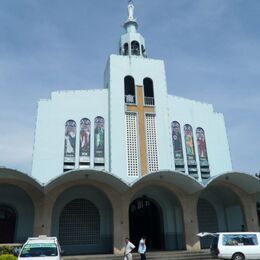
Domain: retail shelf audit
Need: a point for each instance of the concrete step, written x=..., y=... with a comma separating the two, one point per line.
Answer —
x=163, y=255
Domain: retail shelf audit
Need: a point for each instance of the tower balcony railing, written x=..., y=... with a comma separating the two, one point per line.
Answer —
x=149, y=101
x=130, y=99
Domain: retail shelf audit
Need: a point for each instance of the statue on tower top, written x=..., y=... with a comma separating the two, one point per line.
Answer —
x=131, y=10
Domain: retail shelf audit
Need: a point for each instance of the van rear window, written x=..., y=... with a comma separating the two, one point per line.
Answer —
x=240, y=240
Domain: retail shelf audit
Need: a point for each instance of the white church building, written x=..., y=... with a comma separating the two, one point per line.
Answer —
x=127, y=159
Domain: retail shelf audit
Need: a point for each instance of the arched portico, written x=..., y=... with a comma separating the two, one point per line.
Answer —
x=146, y=219
x=176, y=200
x=230, y=202
x=219, y=209
x=17, y=214
x=245, y=187
x=82, y=220
x=97, y=190
x=175, y=192
x=185, y=190
x=156, y=213
x=20, y=196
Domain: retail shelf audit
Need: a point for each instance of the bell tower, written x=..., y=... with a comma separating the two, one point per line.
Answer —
x=132, y=43
x=137, y=106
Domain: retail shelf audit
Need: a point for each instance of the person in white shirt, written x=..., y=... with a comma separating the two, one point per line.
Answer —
x=142, y=248
x=128, y=249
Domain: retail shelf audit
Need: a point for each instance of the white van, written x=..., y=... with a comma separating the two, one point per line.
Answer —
x=235, y=245
x=40, y=248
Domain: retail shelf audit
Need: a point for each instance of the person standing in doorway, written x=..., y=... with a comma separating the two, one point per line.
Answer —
x=142, y=248
x=128, y=249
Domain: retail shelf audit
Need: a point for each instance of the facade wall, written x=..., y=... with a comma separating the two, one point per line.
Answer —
x=139, y=68
x=110, y=104
x=202, y=115
x=48, y=152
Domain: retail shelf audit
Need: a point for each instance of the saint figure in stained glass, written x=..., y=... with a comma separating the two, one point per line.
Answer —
x=201, y=143
x=99, y=137
x=70, y=140
x=189, y=141
x=85, y=137
x=176, y=139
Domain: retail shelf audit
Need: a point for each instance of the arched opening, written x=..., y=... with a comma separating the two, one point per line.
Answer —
x=79, y=223
x=82, y=221
x=219, y=210
x=148, y=92
x=129, y=83
x=16, y=214
x=145, y=219
x=156, y=213
x=135, y=48
x=126, y=49
x=7, y=224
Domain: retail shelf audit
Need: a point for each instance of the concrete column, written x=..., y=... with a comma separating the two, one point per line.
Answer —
x=121, y=223
x=43, y=217
x=191, y=228
x=250, y=212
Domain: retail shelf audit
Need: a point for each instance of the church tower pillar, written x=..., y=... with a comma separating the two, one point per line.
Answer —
x=120, y=223
x=42, y=222
x=191, y=227
x=249, y=207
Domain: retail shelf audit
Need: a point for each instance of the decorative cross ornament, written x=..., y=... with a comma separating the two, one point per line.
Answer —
x=141, y=111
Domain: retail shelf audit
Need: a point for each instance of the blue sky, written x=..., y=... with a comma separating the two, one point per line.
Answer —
x=211, y=49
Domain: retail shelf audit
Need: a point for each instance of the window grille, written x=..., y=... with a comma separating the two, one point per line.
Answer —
x=131, y=139
x=79, y=223
x=151, y=140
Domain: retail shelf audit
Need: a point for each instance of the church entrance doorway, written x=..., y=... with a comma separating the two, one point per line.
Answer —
x=7, y=224
x=145, y=219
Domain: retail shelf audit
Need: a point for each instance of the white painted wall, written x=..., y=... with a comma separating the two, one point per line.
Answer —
x=139, y=68
x=109, y=103
x=199, y=114
x=50, y=128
